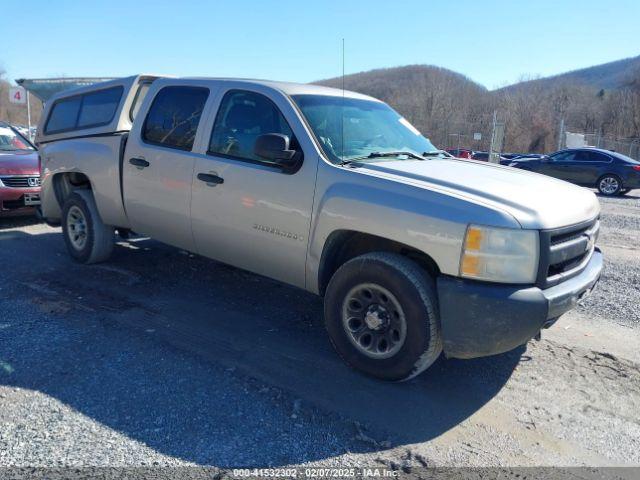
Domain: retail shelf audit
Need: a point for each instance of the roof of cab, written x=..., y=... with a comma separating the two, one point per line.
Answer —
x=290, y=88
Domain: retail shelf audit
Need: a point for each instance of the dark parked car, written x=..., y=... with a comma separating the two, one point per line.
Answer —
x=510, y=156
x=529, y=155
x=482, y=156
x=610, y=172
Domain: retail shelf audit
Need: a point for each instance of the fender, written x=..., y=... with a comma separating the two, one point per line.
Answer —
x=431, y=222
x=100, y=160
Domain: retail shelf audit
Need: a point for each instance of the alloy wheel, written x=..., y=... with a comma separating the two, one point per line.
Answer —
x=609, y=185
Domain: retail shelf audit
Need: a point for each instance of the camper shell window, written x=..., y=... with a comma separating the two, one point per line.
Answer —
x=87, y=110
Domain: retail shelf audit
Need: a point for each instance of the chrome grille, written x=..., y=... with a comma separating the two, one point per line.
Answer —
x=565, y=252
x=21, y=181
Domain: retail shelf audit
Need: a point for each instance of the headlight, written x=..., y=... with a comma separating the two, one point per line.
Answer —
x=500, y=254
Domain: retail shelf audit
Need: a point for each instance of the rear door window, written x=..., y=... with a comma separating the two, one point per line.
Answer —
x=591, y=157
x=174, y=116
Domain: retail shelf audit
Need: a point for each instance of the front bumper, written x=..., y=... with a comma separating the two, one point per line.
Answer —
x=12, y=200
x=480, y=319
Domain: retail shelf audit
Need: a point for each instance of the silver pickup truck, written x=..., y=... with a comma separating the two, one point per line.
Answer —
x=331, y=191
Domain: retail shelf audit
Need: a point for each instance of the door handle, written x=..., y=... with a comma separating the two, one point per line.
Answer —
x=139, y=162
x=210, y=179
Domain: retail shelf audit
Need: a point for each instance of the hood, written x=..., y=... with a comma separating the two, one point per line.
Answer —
x=535, y=201
x=19, y=163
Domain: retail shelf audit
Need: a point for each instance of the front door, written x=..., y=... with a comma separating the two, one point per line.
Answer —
x=559, y=165
x=246, y=211
x=158, y=166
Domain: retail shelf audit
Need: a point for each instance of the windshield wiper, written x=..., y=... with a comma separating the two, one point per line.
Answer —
x=382, y=155
x=398, y=153
x=433, y=153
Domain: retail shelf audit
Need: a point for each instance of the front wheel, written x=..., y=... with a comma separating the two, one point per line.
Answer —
x=609, y=185
x=381, y=313
x=87, y=238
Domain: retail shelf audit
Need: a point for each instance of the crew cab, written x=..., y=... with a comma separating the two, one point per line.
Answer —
x=19, y=173
x=331, y=191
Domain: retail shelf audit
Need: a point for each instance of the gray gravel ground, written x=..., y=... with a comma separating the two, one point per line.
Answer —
x=618, y=294
x=163, y=358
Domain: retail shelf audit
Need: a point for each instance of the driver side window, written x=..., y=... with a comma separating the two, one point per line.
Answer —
x=563, y=157
x=242, y=117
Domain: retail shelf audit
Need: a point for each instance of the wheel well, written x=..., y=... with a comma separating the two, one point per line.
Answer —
x=609, y=175
x=343, y=245
x=64, y=184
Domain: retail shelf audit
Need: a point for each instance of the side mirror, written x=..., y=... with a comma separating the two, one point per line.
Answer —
x=275, y=147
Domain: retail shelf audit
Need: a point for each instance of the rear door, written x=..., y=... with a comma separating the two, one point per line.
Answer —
x=257, y=216
x=158, y=162
x=592, y=165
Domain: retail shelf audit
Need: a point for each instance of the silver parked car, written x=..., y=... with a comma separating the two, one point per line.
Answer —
x=334, y=192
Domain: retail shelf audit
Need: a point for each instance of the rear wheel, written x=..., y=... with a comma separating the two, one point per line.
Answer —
x=381, y=314
x=609, y=185
x=87, y=238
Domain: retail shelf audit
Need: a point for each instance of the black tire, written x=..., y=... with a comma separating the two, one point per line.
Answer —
x=98, y=237
x=412, y=288
x=607, y=180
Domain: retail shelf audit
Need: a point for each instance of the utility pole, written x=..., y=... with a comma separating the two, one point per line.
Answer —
x=29, y=117
x=493, y=135
x=497, y=139
x=561, y=134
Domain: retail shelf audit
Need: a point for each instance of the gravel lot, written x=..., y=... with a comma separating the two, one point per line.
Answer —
x=159, y=357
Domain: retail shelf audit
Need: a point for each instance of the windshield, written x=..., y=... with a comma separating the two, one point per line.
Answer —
x=349, y=128
x=11, y=141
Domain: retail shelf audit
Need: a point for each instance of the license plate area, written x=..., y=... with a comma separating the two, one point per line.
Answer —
x=31, y=199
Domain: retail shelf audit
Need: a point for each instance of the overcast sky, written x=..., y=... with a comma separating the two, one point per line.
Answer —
x=492, y=42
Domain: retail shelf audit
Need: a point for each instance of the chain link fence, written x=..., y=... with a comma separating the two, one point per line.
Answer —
x=478, y=137
x=485, y=135
x=625, y=146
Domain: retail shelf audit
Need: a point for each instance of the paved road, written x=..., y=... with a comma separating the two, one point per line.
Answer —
x=159, y=357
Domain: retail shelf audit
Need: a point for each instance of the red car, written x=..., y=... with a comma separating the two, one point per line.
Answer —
x=19, y=173
x=460, y=152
